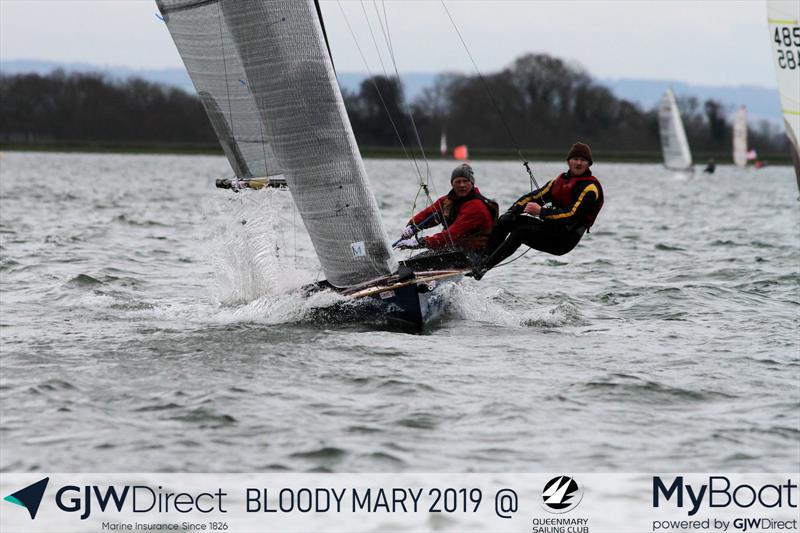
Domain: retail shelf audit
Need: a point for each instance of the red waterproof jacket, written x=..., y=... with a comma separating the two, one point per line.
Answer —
x=468, y=221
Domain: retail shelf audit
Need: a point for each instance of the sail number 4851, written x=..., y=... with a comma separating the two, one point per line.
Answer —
x=784, y=36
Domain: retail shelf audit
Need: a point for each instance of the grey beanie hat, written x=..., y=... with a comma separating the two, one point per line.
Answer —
x=463, y=171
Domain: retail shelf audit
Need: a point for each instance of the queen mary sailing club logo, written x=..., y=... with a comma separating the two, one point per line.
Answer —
x=561, y=494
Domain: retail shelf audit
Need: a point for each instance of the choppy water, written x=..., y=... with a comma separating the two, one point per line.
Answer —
x=145, y=327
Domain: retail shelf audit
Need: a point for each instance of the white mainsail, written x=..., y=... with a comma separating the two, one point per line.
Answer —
x=783, y=17
x=674, y=144
x=443, y=144
x=740, y=137
x=281, y=50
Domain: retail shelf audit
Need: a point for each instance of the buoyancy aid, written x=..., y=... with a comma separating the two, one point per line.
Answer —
x=450, y=207
x=567, y=190
x=452, y=204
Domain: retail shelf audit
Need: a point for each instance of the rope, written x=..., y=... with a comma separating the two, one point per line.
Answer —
x=423, y=186
x=374, y=42
x=512, y=260
x=380, y=96
x=387, y=38
x=491, y=97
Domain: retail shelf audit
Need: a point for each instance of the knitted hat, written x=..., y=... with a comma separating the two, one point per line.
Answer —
x=580, y=149
x=463, y=171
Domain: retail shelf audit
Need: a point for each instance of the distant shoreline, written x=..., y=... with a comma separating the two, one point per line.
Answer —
x=368, y=152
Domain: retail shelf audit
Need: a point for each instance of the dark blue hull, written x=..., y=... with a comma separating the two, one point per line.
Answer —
x=414, y=300
x=418, y=303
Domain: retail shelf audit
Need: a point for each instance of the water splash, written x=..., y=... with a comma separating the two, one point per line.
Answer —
x=261, y=249
x=499, y=307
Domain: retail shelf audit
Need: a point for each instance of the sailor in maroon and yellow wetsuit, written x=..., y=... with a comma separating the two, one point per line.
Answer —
x=551, y=219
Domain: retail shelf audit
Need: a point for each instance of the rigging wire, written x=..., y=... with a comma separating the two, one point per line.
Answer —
x=380, y=96
x=374, y=41
x=390, y=48
x=410, y=157
x=388, y=39
x=491, y=97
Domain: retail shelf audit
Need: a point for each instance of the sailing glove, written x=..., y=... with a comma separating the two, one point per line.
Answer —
x=409, y=244
x=408, y=231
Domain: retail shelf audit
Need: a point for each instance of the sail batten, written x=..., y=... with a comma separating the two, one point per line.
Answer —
x=674, y=145
x=175, y=7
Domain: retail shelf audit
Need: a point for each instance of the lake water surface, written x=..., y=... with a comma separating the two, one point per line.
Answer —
x=150, y=322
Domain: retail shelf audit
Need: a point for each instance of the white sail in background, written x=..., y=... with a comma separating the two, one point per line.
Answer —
x=783, y=17
x=207, y=51
x=674, y=144
x=740, y=137
x=443, y=144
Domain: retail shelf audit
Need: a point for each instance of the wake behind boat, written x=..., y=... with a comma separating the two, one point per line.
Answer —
x=281, y=120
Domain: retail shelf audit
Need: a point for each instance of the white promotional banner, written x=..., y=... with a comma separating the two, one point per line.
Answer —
x=538, y=503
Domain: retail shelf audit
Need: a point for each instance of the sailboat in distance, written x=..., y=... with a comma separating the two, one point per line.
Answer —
x=783, y=17
x=271, y=58
x=674, y=145
x=740, y=137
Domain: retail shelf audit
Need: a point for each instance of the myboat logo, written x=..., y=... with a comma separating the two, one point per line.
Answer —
x=30, y=497
x=720, y=491
x=561, y=494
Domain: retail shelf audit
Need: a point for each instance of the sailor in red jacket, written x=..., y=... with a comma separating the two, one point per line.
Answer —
x=465, y=214
x=552, y=219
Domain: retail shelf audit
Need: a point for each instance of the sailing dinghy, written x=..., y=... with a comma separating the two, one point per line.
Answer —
x=740, y=137
x=674, y=145
x=264, y=74
x=783, y=17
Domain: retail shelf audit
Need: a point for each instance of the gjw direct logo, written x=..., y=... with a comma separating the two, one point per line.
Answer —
x=561, y=494
x=30, y=497
x=111, y=498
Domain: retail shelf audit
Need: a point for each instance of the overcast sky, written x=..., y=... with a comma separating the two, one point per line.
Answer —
x=696, y=41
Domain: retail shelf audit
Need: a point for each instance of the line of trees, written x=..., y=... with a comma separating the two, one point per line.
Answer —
x=87, y=107
x=547, y=105
x=544, y=102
